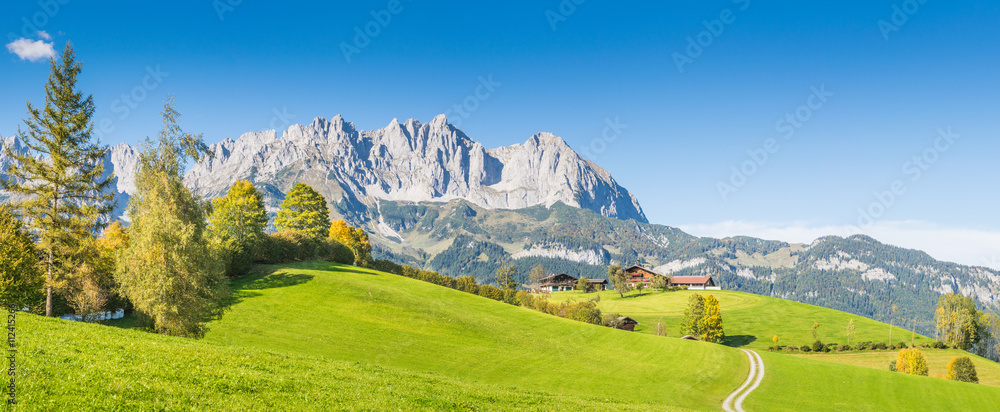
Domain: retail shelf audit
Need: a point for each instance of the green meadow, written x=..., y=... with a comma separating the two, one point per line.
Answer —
x=321, y=336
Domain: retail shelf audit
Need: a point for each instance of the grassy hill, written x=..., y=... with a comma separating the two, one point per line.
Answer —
x=65, y=366
x=350, y=314
x=317, y=335
x=751, y=320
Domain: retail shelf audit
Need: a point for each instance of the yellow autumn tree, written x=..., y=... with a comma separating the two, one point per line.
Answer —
x=355, y=239
x=911, y=361
x=712, y=321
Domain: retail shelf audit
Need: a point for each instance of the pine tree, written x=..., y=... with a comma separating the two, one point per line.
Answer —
x=304, y=209
x=62, y=178
x=21, y=282
x=691, y=323
x=169, y=271
x=711, y=329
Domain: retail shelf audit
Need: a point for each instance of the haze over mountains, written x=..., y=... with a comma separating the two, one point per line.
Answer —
x=432, y=197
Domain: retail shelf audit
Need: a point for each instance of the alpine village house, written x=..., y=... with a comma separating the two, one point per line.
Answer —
x=635, y=274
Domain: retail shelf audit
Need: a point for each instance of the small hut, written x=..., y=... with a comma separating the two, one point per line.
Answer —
x=625, y=323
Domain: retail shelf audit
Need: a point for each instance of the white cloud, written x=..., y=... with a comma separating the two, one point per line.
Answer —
x=960, y=245
x=32, y=50
x=44, y=35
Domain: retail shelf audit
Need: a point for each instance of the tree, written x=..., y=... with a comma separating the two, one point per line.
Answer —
x=62, y=178
x=583, y=284
x=467, y=284
x=659, y=282
x=21, y=282
x=911, y=361
x=237, y=223
x=618, y=279
x=304, y=209
x=961, y=369
x=711, y=329
x=815, y=331
x=691, y=323
x=505, y=276
x=639, y=287
x=661, y=328
x=958, y=322
x=891, y=317
x=169, y=270
x=775, y=340
x=850, y=331
x=536, y=275
x=355, y=239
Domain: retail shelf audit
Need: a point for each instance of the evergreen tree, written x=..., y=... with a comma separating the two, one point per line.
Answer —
x=711, y=322
x=691, y=323
x=355, y=239
x=62, y=177
x=21, y=282
x=237, y=224
x=169, y=270
x=304, y=209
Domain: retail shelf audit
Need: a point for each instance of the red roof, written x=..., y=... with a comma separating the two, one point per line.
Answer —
x=690, y=279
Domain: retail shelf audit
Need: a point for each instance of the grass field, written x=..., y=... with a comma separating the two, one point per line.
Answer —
x=321, y=336
x=937, y=362
x=364, y=316
x=750, y=320
x=70, y=366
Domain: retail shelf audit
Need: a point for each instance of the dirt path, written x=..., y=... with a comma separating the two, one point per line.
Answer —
x=734, y=402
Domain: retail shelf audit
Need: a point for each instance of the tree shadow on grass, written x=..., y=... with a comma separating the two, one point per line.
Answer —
x=737, y=341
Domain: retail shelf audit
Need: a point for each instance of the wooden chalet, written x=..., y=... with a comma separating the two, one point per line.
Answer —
x=693, y=282
x=638, y=274
x=598, y=284
x=557, y=283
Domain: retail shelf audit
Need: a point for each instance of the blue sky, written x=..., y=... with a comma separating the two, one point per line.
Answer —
x=889, y=89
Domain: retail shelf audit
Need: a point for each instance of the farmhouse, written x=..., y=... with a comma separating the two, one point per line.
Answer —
x=639, y=274
x=556, y=283
x=598, y=284
x=694, y=282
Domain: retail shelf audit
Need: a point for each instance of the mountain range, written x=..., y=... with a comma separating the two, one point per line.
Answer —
x=432, y=197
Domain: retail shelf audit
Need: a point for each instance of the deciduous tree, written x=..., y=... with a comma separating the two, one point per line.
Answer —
x=62, y=178
x=691, y=323
x=618, y=279
x=961, y=369
x=711, y=322
x=21, y=282
x=536, y=275
x=958, y=322
x=355, y=239
x=505, y=276
x=237, y=223
x=304, y=209
x=169, y=271
x=850, y=331
x=911, y=361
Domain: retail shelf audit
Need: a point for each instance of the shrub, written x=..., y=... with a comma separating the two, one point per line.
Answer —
x=525, y=299
x=339, y=253
x=881, y=346
x=862, y=345
x=939, y=345
x=892, y=366
x=490, y=292
x=961, y=369
x=843, y=348
x=806, y=348
x=792, y=348
x=901, y=345
x=831, y=346
x=467, y=284
x=818, y=346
